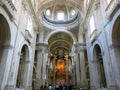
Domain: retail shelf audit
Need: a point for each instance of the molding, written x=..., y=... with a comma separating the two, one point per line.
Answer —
x=9, y=8
x=41, y=44
x=6, y=46
x=112, y=8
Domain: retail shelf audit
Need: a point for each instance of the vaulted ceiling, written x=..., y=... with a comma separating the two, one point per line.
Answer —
x=47, y=13
x=44, y=4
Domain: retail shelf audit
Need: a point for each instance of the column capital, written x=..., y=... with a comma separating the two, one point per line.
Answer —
x=42, y=47
x=79, y=47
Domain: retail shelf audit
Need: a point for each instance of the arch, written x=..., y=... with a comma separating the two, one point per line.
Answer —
x=5, y=39
x=115, y=46
x=113, y=26
x=56, y=31
x=115, y=31
x=99, y=70
x=23, y=67
x=45, y=4
x=58, y=41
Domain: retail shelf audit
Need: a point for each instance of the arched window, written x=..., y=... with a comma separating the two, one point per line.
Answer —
x=92, y=24
x=60, y=16
x=29, y=25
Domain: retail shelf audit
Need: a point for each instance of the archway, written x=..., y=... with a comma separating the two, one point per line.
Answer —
x=99, y=65
x=60, y=64
x=4, y=45
x=22, y=70
x=116, y=42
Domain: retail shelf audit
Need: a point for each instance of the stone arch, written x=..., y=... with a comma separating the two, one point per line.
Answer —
x=99, y=69
x=5, y=39
x=114, y=25
x=21, y=80
x=116, y=32
x=56, y=31
x=115, y=46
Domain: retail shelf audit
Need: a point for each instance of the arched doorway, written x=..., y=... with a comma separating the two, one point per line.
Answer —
x=22, y=70
x=116, y=43
x=4, y=45
x=99, y=65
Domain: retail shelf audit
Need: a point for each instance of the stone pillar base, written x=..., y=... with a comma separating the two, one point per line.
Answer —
x=92, y=88
x=113, y=87
x=13, y=88
x=10, y=87
x=28, y=88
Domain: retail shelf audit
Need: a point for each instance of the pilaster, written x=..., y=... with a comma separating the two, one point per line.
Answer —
x=76, y=59
x=42, y=56
x=81, y=54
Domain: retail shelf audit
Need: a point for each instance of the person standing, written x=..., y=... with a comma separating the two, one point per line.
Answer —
x=41, y=87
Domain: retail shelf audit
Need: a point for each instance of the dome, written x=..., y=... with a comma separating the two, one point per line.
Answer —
x=60, y=13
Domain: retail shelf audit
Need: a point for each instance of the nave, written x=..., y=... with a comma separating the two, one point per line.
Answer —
x=59, y=43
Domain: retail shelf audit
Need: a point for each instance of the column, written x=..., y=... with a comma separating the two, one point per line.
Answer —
x=47, y=71
x=73, y=78
x=31, y=61
x=54, y=78
x=115, y=59
x=76, y=59
x=44, y=65
x=81, y=55
x=40, y=52
x=109, y=67
x=67, y=61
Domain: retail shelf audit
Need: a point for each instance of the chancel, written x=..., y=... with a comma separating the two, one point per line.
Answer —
x=60, y=44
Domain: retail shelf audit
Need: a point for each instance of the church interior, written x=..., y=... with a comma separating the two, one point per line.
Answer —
x=59, y=42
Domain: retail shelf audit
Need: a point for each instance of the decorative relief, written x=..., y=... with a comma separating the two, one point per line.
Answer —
x=9, y=7
x=24, y=5
x=111, y=6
